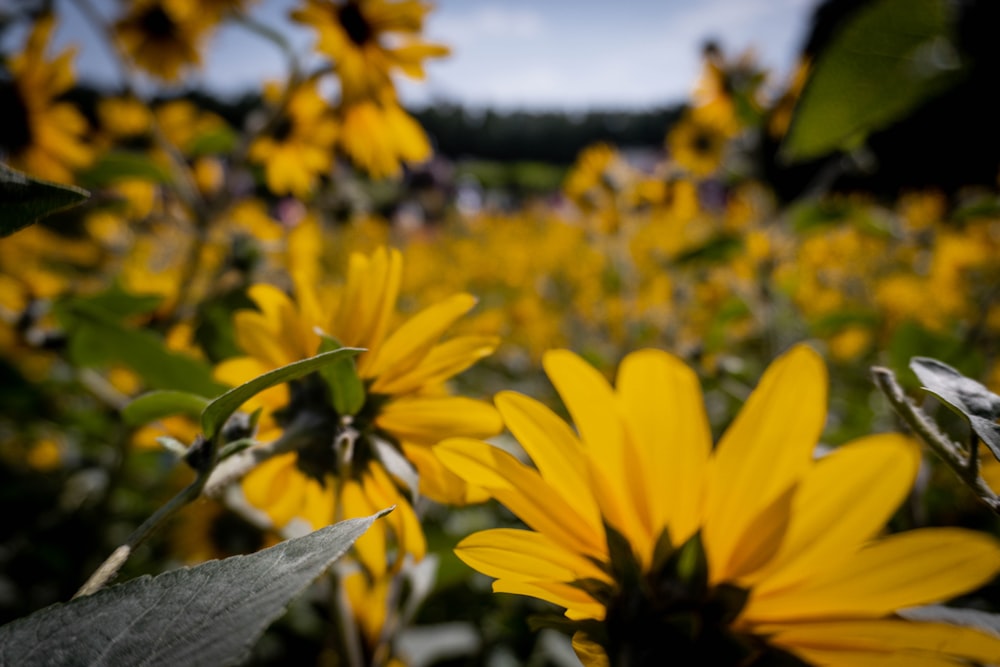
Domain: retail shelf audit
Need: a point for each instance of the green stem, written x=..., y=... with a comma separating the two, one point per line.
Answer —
x=965, y=466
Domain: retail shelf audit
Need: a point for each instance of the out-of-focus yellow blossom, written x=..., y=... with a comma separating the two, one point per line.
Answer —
x=406, y=407
x=124, y=117
x=163, y=37
x=636, y=521
x=41, y=135
x=697, y=144
x=369, y=40
x=299, y=149
x=380, y=136
x=182, y=123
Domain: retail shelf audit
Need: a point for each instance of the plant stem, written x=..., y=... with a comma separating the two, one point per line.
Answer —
x=965, y=466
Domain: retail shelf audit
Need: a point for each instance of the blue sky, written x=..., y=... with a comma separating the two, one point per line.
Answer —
x=525, y=54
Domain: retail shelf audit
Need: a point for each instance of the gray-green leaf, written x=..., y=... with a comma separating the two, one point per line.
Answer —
x=889, y=57
x=220, y=409
x=23, y=199
x=970, y=399
x=211, y=614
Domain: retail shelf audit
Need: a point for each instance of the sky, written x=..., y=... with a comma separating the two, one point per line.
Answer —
x=569, y=55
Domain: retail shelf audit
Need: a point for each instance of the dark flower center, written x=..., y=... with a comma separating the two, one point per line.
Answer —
x=156, y=22
x=354, y=23
x=283, y=129
x=704, y=142
x=15, y=121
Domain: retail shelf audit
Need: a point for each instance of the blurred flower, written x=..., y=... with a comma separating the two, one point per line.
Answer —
x=368, y=40
x=378, y=136
x=39, y=134
x=163, y=37
x=698, y=144
x=298, y=150
x=661, y=545
x=341, y=467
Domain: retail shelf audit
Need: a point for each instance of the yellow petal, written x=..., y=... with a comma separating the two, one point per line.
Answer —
x=918, y=641
x=437, y=482
x=523, y=491
x=276, y=487
x=661, y=399
x=578, y=604
x=408, y=345
x=430, y=419
x=370, y=547
x=553, y=447
x=443, y=362
x=523, y=555
x=764, y=452
x=842, y=502
x=594, y=409
x=903, y=570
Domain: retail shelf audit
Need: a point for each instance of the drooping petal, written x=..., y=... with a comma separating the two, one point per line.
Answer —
x=917, y=641
x=276, y=487
x=523, y=555
x=430, y=419
x=842, y=502
x=370, y=547
x=578, y=604
x=661, y=399
x=552, y=446
x=902, y=570
x=437, y=482
x=764, y=452
x=408, y=345
x=593, y=406
x=523, y=491
x=443, y=362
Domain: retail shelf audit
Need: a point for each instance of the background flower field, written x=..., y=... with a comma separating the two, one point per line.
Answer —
x=851, y=207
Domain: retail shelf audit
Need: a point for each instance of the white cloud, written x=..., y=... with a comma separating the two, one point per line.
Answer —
x=490, y=21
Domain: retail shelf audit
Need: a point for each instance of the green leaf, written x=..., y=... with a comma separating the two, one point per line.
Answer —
x=164, y=403
x=120, y=303
x=717, y=249
x=211, y=614
x=214, y=141
x=117, y=166
x=966, y=618
x=888, y=57
x=23, y=199
x=220, y=409
x=978, y=405
x=346, y=389
x=97, y=337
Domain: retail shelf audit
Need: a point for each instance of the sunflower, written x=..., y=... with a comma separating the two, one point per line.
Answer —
x=39, y=134
x=379, y=136
x=368, y=40
x=698, y=143
x=341, y=464
x=661, y=548
x=164, y=37
x=299, y=148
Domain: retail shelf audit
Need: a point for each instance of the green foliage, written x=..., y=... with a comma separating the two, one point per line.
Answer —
x=888, y=58
x=341, y=376
x=210, y=614
x=164, y=403
x=117, y=166
x=213, y=142
x=97, y=337
x=971, y=400
x=219, y=410
x=23, y=199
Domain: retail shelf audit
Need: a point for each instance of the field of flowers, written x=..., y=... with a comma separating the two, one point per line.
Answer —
x=723, y=400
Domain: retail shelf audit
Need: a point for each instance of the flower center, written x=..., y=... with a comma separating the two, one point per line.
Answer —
x=15, y=121
x=283, y=129
x=354, y=23
x=157, y=22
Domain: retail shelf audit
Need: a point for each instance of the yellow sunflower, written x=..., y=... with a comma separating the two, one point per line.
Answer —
x=299, y=149
x=698, y=143
x=164, y=37
x=39, y=134
x=340, y=465
x=379, y=136
x=370, y=39
x=664, y=549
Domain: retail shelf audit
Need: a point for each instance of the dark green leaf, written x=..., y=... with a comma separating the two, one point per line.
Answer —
x=966, y=618
x=714, y=250
x=977, y=404
x=116, y=301
x=220, y=409
x=888, y=57
x=164, y=403
x=341, y=377
x=97, y=338
x=118, y=166
x=211, y=614
x=24, y=199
